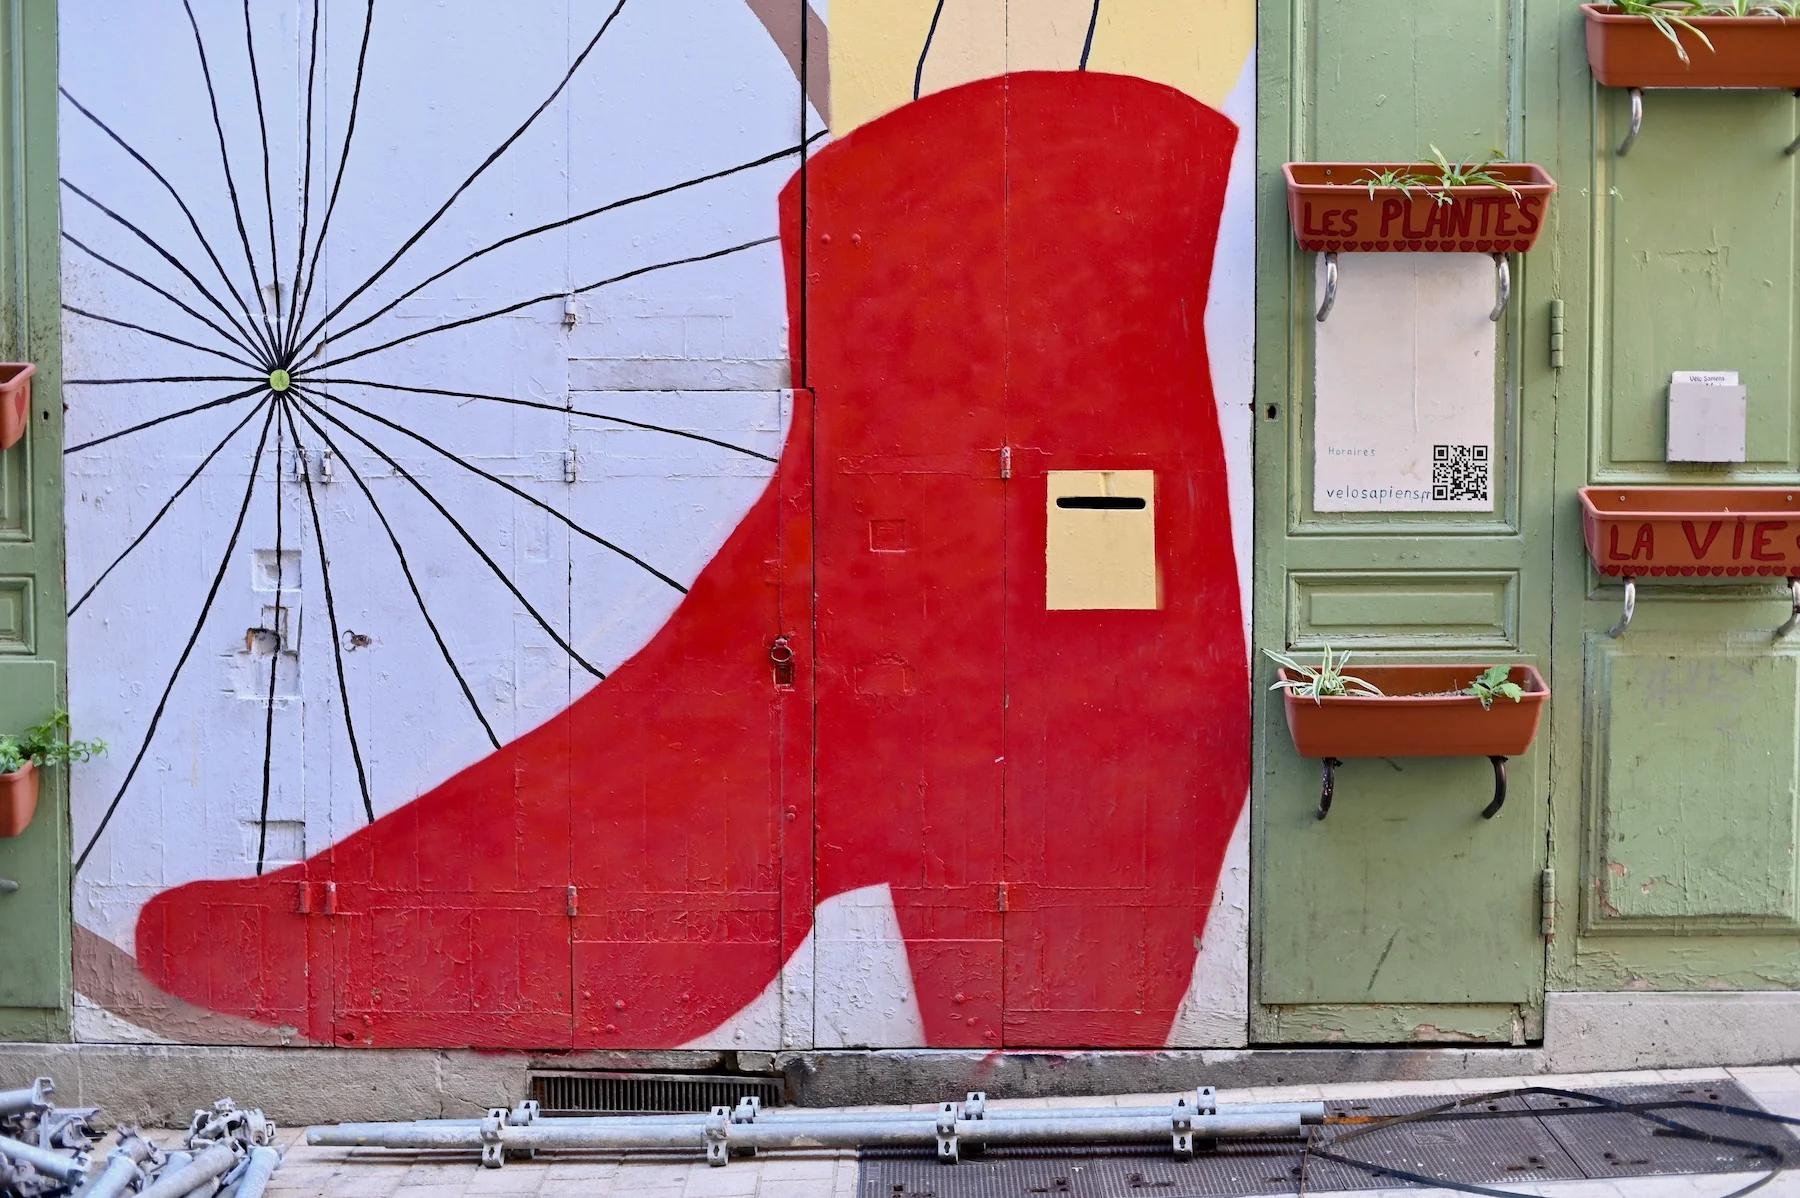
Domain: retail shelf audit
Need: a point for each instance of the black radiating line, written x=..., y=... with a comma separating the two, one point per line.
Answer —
x=169, y=337
x=262, y=385
x=306, y=398
x=925, y=52
x=167, y=257
x=473, y=175
x=230, y=337
x=340, y=334
x=237, y=210
x=262, y=820
x=472, y=468
x=172, y=378
x=312, y=266
x=312, y=70
x=262, y=124
x=164, y=510
x=1087, y=47
x=337, y=638
x=187, y=650
x=405, y=569
x=538, y=299
x=193, y=224
x=547, y=407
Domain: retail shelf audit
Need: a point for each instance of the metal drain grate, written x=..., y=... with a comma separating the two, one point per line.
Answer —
x=1503, y=1152
x=594, y=1093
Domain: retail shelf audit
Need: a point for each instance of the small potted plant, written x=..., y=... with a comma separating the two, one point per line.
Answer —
x=1473, y=206
x=15, y=401
x=44, y=746
x=1454, y=710
x=1695, y=43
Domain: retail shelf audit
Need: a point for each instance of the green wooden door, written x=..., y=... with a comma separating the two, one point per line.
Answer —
x=34, y=919
x=1404, y=916
x=1677, y=745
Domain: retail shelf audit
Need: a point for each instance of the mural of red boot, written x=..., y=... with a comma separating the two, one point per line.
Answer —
x=998, y=550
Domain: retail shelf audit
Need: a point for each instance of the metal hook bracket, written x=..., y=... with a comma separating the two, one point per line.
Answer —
x=1793, y=621
x=1499, y=800
x=1327, y=784
x=1502, y=287
x=1331, y=286
x=1618, y=630
x=1793, y=147
x=1637, y=121
x=1329, y=765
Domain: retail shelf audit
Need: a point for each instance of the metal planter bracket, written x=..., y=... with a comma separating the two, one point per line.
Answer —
x=1502, y=287
x=1637, y=126
x=1330, y=764
x=1793, y=621
x=1618, y=630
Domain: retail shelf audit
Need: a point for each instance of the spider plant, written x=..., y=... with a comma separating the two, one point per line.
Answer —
x=1671, y=17
x=1754, y=8
x=1467, y=173
x=1327, y=680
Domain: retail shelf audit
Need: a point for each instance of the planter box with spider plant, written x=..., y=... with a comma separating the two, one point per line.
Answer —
x=15, y=401
x=1452, y=710
x=24, y=756
x=1738, y=44
x=1483, y=206
x=1688, y=532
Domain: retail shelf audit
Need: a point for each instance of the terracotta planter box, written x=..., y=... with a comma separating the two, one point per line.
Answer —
x=1334, y=213
x=1727, y=532
x=18, y=800
x=1748, y=52
x=15, y=401
x=1410, y=719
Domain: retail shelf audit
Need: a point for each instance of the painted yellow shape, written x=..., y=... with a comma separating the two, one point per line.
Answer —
x=1199, y=47
x=1100, y=552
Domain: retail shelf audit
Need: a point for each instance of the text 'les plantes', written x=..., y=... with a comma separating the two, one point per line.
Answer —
x=1327, y=680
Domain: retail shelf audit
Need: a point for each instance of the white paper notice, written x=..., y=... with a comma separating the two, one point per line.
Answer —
x=1405, y=395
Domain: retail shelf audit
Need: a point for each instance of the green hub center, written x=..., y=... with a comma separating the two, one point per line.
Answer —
x=278, y=381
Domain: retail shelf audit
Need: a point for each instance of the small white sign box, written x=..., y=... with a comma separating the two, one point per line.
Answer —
x=1709, y=417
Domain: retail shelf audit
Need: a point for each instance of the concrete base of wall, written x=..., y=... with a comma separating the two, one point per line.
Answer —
x=161, y=1085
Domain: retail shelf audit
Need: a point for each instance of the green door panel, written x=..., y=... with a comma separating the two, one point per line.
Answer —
x=1694, y=760
x=1404, y=916
x=34, y=920
x=1695, y=240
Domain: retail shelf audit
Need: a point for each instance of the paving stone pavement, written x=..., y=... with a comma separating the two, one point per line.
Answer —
x=372, y=1173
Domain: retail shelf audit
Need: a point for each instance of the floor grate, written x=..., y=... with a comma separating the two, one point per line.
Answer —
x=1505, y=1153
x=604, y=1093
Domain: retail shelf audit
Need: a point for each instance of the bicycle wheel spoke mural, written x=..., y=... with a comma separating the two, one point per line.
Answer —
x=569, y=551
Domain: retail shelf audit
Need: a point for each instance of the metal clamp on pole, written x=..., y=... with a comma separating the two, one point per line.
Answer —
x=1331, y=284
x=1502, y=287
x=1637, y=121
x=1181, y=1126
x=1618, y=630
x=1499, y=800
x=718, y=1137
x=946, y=1134
x=1793, y=621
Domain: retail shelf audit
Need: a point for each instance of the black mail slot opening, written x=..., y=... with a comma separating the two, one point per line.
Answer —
x=1104, y=503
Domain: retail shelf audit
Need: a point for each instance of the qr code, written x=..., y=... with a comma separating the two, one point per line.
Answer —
x=1459, y=472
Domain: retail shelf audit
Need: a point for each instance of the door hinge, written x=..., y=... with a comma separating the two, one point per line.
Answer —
x=1547, y=903
x=1000, y=897
x=571, y=466
x=573, y=897
x=1005, y=462
x=1558, y=330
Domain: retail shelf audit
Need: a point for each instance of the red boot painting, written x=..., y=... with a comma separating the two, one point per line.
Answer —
x=1042, y=755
